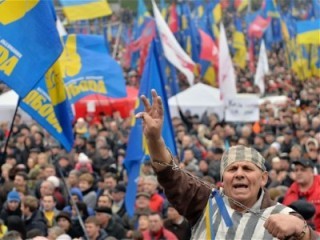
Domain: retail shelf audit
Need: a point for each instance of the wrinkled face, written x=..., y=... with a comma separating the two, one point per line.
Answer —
x=155, y=223
x=242, y=182
x=304, y=175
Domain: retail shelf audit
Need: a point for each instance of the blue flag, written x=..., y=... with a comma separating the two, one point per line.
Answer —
x=48, y=104
x=29, y=43
x=137, y=150
x=89, y=69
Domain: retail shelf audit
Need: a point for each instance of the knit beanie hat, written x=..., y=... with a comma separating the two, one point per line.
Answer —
x=241, y=153
x=13, y=196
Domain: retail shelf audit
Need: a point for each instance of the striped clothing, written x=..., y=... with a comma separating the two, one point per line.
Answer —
x=246, y=226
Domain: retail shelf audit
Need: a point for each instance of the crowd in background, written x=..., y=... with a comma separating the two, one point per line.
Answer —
x=38, y=177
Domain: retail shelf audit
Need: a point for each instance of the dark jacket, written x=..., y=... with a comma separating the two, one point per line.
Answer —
x=190, y=196
x=102, y=235
x=5, y=213
x=115, y=229
x=182, y=231
x=37, y=221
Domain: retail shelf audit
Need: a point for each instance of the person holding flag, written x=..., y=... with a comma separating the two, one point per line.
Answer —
x=241, y=210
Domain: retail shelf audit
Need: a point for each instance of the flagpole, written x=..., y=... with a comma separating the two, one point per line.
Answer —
x=117, y=41
x=4, y=153
x=72, y=202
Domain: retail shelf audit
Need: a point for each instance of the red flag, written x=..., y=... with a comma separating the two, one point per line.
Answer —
x=173, y=21
x=209, y=50
x=146, y=37
x=258, y=26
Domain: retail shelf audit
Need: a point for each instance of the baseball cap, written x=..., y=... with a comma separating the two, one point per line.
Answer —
x=304, y=162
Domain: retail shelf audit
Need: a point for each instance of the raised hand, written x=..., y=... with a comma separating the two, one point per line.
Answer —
x=152, y=116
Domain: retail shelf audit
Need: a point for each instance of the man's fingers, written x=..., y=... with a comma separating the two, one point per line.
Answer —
x=146, y=102
x=159, y=105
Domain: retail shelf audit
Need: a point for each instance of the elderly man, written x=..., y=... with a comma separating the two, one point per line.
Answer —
x=243, y=209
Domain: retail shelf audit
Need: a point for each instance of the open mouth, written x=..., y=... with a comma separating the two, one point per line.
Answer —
x=240, y=186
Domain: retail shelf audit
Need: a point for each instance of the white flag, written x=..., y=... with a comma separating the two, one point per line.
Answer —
x=172, y=50
x=227, y=78
x=61, y=30
x=262, y=69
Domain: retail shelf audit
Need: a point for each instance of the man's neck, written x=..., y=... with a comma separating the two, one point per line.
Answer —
x=305, y=187
x=95, y=236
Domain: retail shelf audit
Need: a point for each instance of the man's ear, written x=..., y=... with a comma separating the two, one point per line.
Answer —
x=264, y=179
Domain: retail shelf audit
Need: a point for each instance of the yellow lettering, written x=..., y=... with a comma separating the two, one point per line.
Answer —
x=83, y=86
x=8, y=66
x=102, y=87
x=75, y=89
x=4, y=54
x=37, y=101
x=31, y=95
x=92, y=85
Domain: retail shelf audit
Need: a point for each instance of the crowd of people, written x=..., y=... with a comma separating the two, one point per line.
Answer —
x=48, y=192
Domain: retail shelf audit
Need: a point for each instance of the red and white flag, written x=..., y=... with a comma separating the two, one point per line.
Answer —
x=262, y=68
x=208, y=49
x=172, y=50
x=227, y=78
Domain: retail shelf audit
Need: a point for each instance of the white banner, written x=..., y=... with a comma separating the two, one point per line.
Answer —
x=227, y=77
x=242, y=108
x=262, y=69
x=172, y=50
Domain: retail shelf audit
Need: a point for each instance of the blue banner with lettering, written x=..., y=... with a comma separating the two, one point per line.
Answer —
x=89, y=69
x=48, y=104
x=29, y=43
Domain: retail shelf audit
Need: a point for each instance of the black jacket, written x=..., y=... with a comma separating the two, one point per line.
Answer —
x=37, y=221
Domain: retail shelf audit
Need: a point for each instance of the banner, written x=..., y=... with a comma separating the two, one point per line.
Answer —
x=227, y=77
x=85, y=9
x=262, y=68
x=48, y=105
x=89, y=69
x=29, y=43
x=172, y=50
x=242, y=108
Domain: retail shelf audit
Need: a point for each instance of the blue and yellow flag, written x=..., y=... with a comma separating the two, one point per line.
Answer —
x=142, y=12
x=315, y=60
x=137, y=150
x=308, y=32
x=190, y=35
x=85, y=9
x=29, y=43
x=239, y=44
x=89, y=69
x=48, y=104
x=163, y=9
